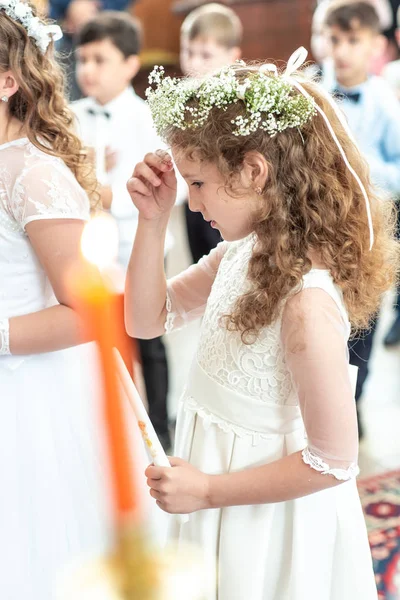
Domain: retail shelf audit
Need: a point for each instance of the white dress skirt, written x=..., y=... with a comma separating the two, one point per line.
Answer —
x=54, y=505
x=55, y=499
x=240, y=410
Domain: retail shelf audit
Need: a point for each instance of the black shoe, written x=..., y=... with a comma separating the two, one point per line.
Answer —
x=393, y=336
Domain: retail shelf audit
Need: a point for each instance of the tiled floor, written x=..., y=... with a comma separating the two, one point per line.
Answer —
x=380, y=450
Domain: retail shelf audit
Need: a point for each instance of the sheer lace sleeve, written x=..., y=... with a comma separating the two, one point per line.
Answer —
x=48, y=190
x=315, y=344
x=188, y=292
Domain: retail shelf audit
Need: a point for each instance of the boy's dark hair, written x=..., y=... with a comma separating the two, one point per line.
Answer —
x=351, y=15
x=122, y=29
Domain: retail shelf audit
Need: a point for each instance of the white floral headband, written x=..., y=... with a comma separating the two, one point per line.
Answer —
x=41, y=33
x=269, y=101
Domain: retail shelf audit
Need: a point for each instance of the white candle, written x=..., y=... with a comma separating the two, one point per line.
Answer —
x=153, y=444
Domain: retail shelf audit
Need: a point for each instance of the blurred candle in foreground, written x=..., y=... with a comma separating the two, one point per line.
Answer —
x=93, y=288
x=182, y=575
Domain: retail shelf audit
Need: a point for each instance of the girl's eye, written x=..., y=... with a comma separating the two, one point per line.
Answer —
x=197, y=184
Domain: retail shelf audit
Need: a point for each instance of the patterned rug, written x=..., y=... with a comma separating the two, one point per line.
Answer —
x=380, y=497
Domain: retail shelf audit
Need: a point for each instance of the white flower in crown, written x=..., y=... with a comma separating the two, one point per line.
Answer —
x=21, y=10
x=241, y=91
x=34, y=26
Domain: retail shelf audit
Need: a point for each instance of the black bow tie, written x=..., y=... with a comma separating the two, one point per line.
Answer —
x=93, y=112
x=343, y=95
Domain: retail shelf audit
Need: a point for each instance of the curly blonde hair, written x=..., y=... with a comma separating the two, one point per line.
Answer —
x=311, y=203
x=40, y=103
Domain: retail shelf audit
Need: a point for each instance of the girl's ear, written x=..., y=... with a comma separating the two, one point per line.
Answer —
x=255, y=170
x=8, y=84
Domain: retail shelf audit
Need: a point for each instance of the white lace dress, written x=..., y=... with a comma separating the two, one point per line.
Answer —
x=245, y=406
x=53, y=500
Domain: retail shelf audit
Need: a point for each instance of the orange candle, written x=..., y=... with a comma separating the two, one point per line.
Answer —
x=97, y=304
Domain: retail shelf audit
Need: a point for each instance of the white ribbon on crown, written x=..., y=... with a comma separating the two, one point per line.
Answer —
x=41, y=33
x=294, y=63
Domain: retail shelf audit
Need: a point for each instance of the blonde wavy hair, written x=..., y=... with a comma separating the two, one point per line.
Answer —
x=311, y=203
x=40, y=103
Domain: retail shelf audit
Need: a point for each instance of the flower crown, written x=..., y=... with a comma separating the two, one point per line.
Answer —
x=268, y=98
x=41, y=33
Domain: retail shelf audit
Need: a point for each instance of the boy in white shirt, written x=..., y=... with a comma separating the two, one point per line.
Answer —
x=117, y=124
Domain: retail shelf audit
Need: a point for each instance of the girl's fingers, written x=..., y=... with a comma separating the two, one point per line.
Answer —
x=164, y=157
x=153, y=165
x=176, y=462
x=154, y=484
x=153, y=472
x=161, y=505
x=145, y=173
x=136, y=186
x=160, y=159
x=154, y=494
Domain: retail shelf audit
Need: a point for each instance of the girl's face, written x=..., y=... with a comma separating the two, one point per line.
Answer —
x=232, y=212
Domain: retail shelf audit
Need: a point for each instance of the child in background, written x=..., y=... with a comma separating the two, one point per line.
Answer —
x=372, y=111
x=118, y=125
x=210, y=39
x=392, y=75
x=391, y=71
x=53, y=471
x=266, y=435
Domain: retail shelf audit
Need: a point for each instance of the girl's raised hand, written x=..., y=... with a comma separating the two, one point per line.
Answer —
x=152, y=186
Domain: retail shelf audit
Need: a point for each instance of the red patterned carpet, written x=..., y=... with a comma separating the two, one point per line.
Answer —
x=380, y=497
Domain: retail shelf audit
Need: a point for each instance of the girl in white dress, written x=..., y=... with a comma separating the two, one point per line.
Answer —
x=53, y=506
x=266, y=438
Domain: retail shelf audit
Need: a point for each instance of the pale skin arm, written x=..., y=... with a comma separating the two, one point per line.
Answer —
x=185, y=489
x=56, y=243
x=153, y=191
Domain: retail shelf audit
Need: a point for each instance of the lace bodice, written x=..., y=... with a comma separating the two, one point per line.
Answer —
x=33, y=186
x=256, y=370
x=300, y=360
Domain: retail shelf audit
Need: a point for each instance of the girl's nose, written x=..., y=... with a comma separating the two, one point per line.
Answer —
x=194, y=205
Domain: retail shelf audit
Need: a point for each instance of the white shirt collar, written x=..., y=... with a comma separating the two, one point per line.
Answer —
x=121, y=102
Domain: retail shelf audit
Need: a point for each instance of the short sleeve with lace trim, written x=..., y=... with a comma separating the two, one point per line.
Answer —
x=48, y=190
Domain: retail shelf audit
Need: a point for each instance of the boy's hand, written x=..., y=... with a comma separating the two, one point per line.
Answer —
x=111, y=159
x=153, y=185
x=180, y=490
